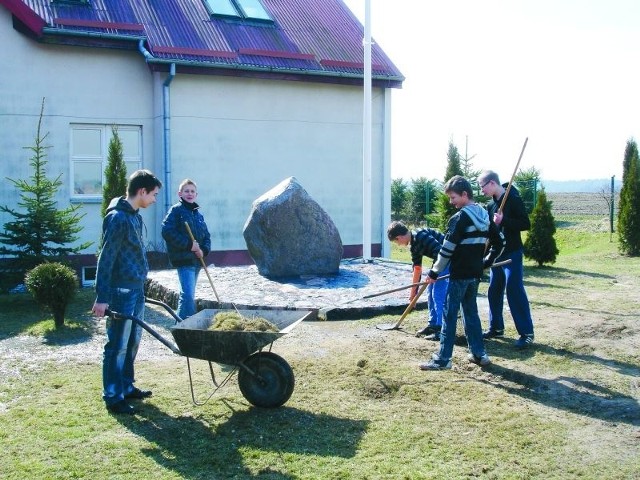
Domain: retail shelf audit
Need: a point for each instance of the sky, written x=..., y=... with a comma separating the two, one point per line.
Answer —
x=488, y=74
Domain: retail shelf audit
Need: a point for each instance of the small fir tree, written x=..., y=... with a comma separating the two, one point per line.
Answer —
x=629, y=206
x=417, y=208
x=443, y=208
x=527, y=183
x=115, y=175
x=40, y=232
x=540, y=245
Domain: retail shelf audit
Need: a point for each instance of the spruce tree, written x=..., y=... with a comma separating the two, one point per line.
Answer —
x=629, y=206
x=444, y=209
x=420, y=190
x=39, y=232
x=540, y=246
x=115, y=175
x=399, y=193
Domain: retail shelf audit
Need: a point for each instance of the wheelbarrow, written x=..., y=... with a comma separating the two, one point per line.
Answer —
x=265, y=378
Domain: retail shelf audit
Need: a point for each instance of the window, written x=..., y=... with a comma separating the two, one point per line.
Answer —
x=250, y=9
x=89, y=155
x=89, y=276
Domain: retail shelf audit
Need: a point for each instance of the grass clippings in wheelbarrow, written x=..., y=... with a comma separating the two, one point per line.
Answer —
x=235, y=322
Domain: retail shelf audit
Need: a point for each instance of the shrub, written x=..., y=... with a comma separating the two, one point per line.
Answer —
x=53, y=285
x=540, y=244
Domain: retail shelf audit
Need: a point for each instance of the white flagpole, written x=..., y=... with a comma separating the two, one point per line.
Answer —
x=366, y=138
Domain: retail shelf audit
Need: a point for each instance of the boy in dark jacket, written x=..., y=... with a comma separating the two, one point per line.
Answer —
x=121, y=273
x=185, y=254
x=423, y=242
x=512, y=220
x=463, y=248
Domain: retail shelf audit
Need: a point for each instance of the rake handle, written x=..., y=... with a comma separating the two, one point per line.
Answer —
x=204, y=265
x=423, y=288
x=513, y=176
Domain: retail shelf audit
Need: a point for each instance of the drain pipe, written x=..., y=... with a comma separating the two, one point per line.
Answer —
x=166, y=117
x=166, y=124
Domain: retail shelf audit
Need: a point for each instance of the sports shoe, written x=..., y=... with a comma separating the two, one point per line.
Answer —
x=482, y=360
x=434, y=365
x=428, y=330
x=121, y=407
x=138, y=394
x=524, y=341
x=493, y=334
x=435, y=337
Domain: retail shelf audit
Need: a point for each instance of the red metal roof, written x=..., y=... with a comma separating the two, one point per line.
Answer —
x=307, y=37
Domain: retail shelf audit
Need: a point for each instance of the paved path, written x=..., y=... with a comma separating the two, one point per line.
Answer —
x=341, y=295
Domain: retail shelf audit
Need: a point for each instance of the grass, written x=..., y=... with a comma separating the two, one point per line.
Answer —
x=566, y=409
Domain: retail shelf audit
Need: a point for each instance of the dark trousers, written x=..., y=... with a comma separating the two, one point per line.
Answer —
x=509, y=278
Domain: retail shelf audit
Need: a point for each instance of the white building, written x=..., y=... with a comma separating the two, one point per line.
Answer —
x=235, y=94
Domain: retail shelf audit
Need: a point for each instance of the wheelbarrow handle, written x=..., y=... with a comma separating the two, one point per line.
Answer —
x=165, y=306
x=146, y=326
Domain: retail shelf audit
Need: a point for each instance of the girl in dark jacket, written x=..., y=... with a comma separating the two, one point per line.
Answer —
x=186, y=254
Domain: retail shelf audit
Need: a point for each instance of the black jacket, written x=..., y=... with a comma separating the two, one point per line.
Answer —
x=425, y=242
x=123, y=260
x=515, y=218
x=177, y=237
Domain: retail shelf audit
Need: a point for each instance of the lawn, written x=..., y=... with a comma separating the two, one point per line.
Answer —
x=566, y=408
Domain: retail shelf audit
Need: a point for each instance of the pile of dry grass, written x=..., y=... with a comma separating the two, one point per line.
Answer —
x=233, y=321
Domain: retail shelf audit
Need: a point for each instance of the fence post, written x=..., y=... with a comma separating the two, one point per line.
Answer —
x=612, y=209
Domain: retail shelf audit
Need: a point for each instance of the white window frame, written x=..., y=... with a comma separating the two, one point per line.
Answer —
x=249, y=9
x=133, y=160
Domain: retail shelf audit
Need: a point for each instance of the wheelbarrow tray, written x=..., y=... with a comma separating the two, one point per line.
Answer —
x=195, y=340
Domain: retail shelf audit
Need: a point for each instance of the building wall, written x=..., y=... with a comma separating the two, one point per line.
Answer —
x=236, y=137
x=79, y=85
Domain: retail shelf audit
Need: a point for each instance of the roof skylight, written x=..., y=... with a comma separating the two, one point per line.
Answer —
x=250, y=9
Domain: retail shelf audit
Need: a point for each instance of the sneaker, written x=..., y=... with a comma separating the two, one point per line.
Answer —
x=138, y=394
x=121, y=407
x=435, y=337
x=434, y=365
x=428, y=330
x=482, y=360
x=524, y=341
x=493, y=334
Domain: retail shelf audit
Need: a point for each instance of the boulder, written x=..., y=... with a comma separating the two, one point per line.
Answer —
x=289, y=234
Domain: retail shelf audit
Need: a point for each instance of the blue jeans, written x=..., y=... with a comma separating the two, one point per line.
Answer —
x=461, y=293
x=436, y=294
x=511, y=278
x=123, y=339
x=188, y=277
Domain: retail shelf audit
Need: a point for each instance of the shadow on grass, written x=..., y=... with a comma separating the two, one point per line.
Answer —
x=506, y=350
x=193, y=448
x=557, y=273
x=573, y=394
x=20, y=314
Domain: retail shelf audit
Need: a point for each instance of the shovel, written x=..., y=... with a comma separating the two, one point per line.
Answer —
x=396, y=325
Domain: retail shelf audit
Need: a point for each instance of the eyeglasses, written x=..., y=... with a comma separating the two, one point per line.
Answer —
x=482, y=186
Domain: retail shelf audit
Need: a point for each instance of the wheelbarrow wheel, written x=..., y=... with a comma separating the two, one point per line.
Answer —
x=267, y=381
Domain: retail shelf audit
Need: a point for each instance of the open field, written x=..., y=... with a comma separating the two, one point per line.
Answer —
x=580, y=204
x=567, y=408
